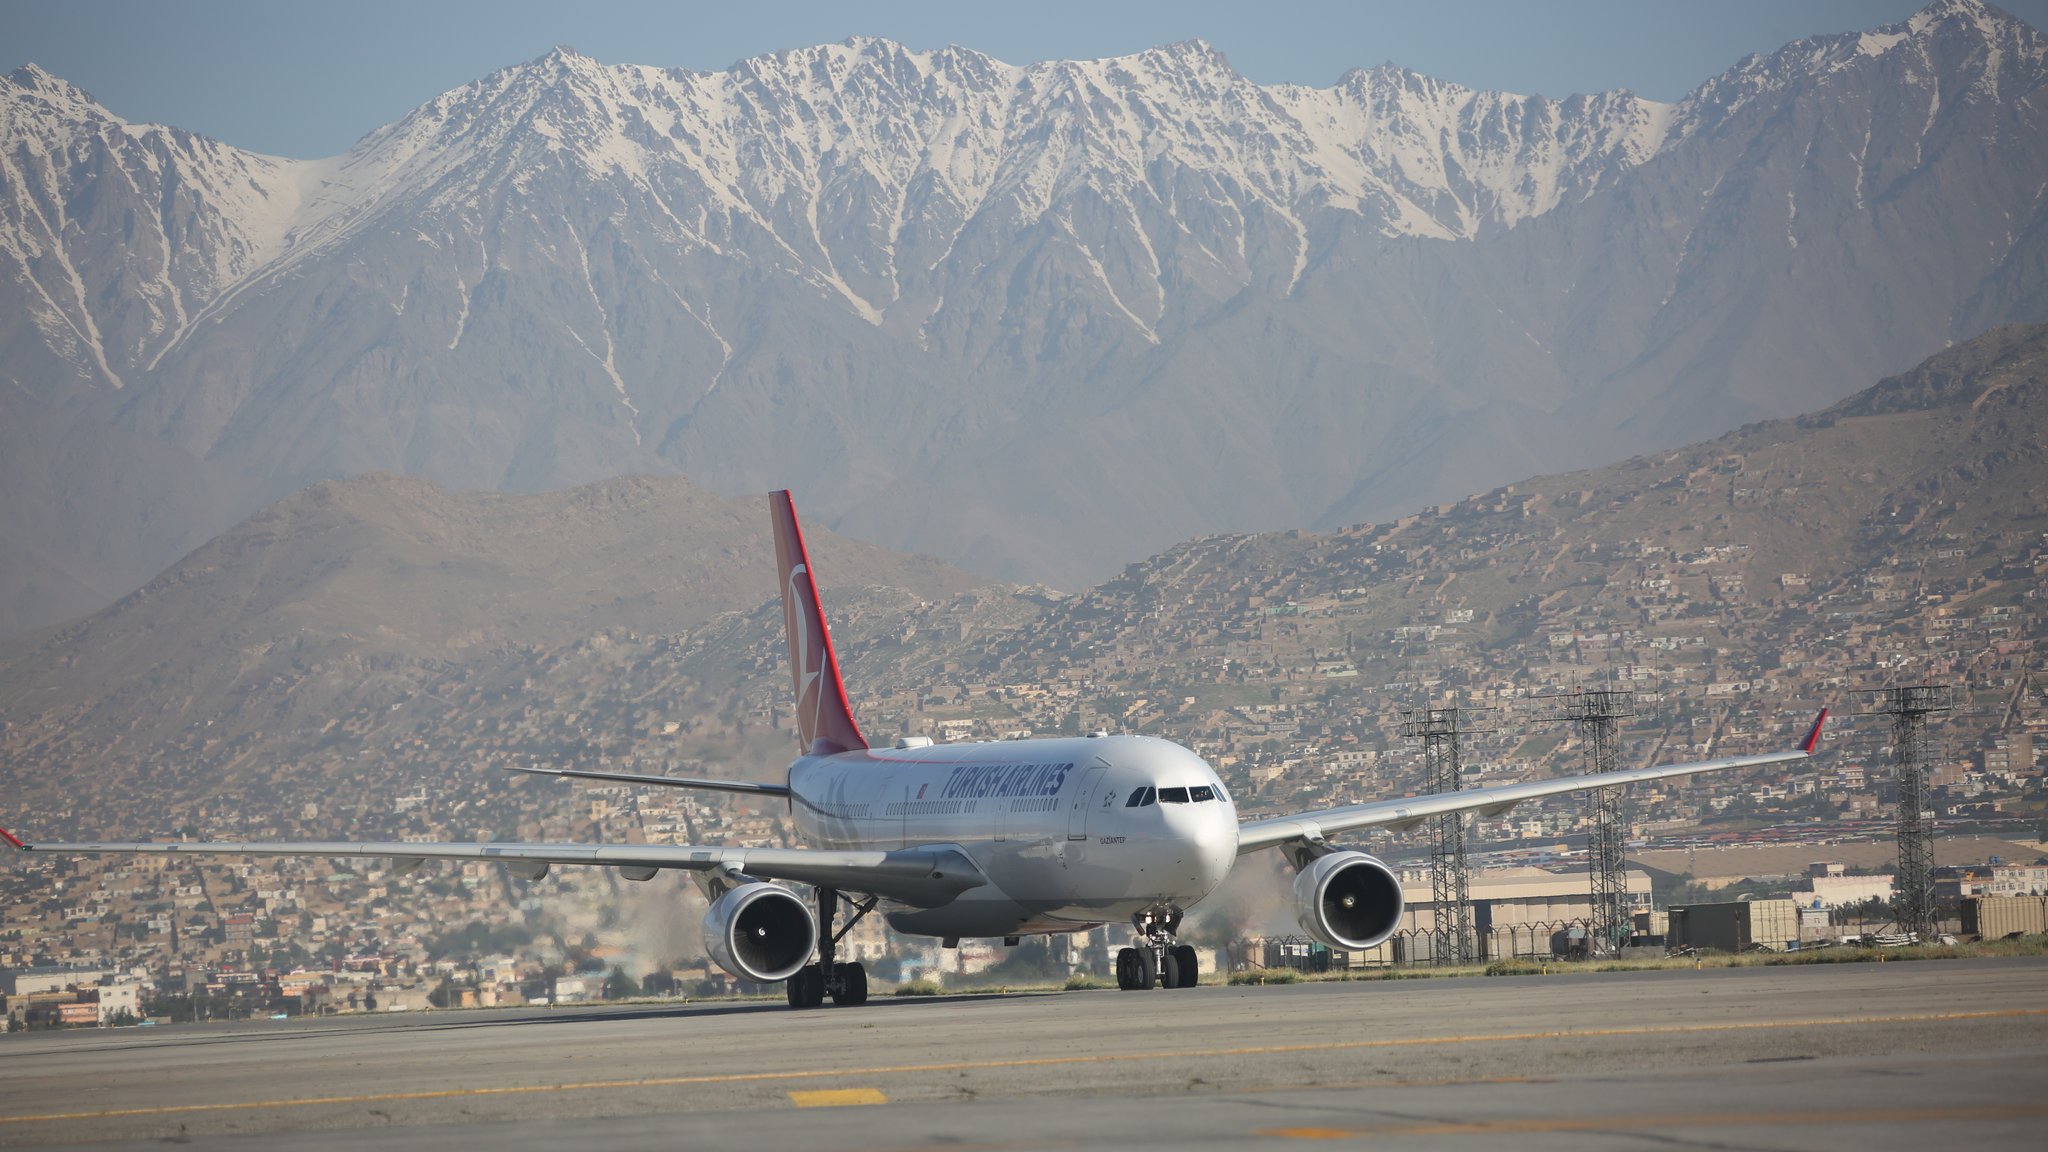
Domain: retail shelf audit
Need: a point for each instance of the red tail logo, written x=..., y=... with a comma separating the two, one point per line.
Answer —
x=824, y=720
x=1813, y=734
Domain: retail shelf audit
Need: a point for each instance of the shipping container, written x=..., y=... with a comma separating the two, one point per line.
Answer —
x=1994, y=917
x=1736, y=926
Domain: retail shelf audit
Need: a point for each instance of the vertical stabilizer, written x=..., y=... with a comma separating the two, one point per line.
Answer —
x=824, y=720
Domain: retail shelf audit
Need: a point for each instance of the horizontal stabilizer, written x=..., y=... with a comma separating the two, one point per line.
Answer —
x=656, y=781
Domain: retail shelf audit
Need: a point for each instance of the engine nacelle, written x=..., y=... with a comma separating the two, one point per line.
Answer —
x=1348, y=900
x=760, y=932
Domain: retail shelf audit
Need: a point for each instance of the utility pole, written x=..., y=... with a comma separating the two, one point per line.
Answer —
x=1450, y=888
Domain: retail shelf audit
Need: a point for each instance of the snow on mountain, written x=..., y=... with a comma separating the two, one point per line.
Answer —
x=824, y=156
x=148, y=223
x=962, y=298
x=1986, y=48
x=771, y=150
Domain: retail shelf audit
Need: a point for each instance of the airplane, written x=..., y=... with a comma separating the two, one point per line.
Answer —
x=998, y=839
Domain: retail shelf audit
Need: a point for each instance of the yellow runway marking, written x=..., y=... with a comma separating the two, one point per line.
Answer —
x=1631, y=1123
x=837, y=1097
x=1034, y=1062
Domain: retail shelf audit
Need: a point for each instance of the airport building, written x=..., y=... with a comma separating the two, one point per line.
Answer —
x=67, y=997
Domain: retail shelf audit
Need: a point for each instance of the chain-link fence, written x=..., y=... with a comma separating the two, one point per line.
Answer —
x=1538, y=940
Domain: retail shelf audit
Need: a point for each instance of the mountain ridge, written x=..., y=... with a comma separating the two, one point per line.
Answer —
x=961, y=298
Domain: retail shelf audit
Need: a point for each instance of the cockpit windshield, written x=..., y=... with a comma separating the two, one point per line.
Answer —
x=1147, y=795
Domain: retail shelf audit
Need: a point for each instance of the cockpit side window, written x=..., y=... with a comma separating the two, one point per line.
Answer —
x=1173, y=795
x=1137, y=797
x=1201, y=792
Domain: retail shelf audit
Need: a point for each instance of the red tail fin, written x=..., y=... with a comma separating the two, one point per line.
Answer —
x=824, y=720
x=1813, y=734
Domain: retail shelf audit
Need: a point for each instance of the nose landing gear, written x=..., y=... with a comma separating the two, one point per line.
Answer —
x=1156, y=961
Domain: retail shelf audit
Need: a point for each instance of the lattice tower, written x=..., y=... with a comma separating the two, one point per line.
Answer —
x=1595, y=711
x=1909, y=707
x=1451, y=938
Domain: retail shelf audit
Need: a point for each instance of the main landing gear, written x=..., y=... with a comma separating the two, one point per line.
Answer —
x=847, y=983
x=1156, y=961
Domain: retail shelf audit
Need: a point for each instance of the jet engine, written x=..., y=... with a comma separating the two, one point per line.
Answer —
x=1348, y=900
x=760, y=932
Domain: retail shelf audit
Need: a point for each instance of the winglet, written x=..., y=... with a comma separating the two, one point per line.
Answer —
x=9, y=837
x=824, y=718
x=1813, y=735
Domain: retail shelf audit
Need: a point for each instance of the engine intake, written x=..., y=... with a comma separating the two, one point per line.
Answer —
x=760, y=932
x=1348, y=900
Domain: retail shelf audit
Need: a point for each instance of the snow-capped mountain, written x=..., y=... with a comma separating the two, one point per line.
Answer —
x=959, y=302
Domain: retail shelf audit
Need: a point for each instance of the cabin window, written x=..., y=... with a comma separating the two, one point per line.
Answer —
x=1173, y=795
x=1201, y=792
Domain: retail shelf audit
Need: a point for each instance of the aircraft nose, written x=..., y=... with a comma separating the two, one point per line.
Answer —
x=1216, y=844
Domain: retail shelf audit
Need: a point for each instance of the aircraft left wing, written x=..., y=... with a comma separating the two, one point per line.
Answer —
x=922, y=877
x=1406, y=812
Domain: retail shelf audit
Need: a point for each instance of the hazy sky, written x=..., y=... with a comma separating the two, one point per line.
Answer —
x=301, y=79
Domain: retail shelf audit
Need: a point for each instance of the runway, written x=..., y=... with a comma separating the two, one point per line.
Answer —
x=1828, y=1056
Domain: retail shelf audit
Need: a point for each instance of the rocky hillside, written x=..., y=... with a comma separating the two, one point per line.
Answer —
x=369, y=637
x=1936, y=477
x=353, y=593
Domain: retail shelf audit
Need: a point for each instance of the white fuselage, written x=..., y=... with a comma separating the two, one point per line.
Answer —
x=1052, y=824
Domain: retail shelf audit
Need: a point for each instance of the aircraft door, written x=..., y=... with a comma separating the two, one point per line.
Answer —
x=1083, y=801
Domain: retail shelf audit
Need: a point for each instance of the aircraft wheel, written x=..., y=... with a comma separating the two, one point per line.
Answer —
x=807, y=988
x=1187, y=967
x=1146, y=977
x=1126, y=969
x=1169, y=971
x=850, y=988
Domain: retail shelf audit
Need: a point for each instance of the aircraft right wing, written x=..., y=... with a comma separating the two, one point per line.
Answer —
x=923, y=877
x=1408, y=811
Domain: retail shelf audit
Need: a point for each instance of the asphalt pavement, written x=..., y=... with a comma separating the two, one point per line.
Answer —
x=1825, y=1056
